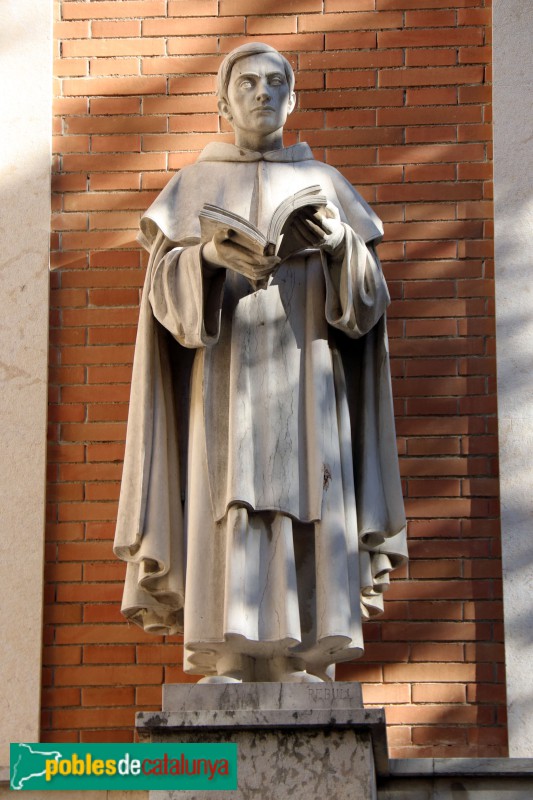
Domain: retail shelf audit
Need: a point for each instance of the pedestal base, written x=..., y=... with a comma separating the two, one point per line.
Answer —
x=303, y=741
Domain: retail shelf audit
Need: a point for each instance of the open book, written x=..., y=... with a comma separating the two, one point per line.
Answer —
x=277, y=240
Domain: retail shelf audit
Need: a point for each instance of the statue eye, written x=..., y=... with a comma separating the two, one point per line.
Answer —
x=246, y=84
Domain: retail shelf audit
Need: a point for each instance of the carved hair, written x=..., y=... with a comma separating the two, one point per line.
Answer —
x=249, y=49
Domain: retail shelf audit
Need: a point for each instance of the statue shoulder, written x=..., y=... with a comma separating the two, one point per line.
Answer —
x=171, y=208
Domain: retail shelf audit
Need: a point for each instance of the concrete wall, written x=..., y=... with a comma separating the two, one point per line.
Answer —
x=513, y=174
x=25, y=124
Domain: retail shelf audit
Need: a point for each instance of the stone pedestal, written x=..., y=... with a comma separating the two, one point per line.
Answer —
x=304, y=741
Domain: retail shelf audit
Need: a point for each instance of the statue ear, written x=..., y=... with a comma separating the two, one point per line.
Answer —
x=224, y=110
x=292, y=103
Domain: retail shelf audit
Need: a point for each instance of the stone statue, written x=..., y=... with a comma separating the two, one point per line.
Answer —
x=261, y=507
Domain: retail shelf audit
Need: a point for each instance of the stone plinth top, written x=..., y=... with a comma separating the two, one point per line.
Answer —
x=262, y=696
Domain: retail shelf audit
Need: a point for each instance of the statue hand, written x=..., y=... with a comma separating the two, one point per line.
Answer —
x=322, y=228
x=225, y=252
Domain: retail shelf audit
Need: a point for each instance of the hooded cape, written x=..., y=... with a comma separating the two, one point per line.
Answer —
x=150, y=532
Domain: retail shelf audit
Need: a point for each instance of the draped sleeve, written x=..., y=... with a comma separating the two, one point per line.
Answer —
x=356, y=292
x=185, y=298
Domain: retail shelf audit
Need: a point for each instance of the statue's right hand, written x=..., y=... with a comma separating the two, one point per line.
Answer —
x=225, y=252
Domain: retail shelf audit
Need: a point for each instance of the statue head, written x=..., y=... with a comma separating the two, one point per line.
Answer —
x=248, y=49
x=255, y=87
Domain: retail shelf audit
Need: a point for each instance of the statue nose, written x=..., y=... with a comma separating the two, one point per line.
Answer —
x=263, y=92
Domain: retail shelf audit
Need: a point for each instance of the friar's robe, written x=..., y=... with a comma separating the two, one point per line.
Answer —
x=293, y=514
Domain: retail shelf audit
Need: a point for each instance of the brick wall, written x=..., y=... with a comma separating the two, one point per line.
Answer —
x=396, y=94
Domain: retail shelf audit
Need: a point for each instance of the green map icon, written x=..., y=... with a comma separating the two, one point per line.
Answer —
x=28, y=763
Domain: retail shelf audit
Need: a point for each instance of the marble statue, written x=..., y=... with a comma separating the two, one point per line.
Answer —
x=261, y=508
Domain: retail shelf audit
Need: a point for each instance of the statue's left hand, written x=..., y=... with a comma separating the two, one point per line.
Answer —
x=227, y=252
x=322, y=228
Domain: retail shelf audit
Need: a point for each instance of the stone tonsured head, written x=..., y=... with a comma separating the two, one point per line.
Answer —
x=248, y=49
x=255, y=90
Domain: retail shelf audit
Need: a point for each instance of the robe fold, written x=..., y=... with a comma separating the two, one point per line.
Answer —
x=260, y=509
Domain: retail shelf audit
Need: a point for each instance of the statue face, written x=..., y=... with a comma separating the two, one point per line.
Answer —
x=259, y=97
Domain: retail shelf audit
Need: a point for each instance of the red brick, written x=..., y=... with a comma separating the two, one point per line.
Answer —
x=108, y=9
x=439, y=693
x=431, y=134
x=63, y=532
x=148, y=697
x=183, y=8
x=105, y=452
x=351, y=22
x=109, y=162
x=113, y=48
x=92, y=432
x=115, y=105
x=113, y=696
x=486, y=693
x=429, y=673
x=364, y=97
x=91, y=718
x=103, y=613
x=113, y=182
x=71, y=67
x=430, y=192
x=357, y=671
x=114, y=66
x=121, y=675
x=349, y=5
x=111, y=735
x=115, y=29
x=232, y=7
x=430, y=76
x=53, y=698
x=87, y=511
x=386, y=694
x=71, y=30
x=493, y=736
x=180, y=65
x=440, y=714
x=426, y=19
x=286, y=43
x=431, y=153
x=61, y=614
x=102, y=491
x=187, y=26
x=108, y=412
x=258, y=25
x=475, y=55
x=477, y=16
x=66, y=452
x=364, y=60
x=430, y=38
x=433, y=446
x=416, y=4
x=474, y=94
x=110, y=86
x=351, y=79
x=191, y=84
x=107, y=654
x=439, y=735
x=345, y=41
x=474, y=133
x=457, y=507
